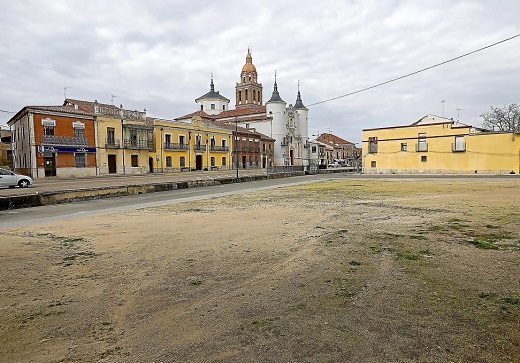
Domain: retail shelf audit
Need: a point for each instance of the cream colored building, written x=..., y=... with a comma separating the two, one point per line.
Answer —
x=435, y=144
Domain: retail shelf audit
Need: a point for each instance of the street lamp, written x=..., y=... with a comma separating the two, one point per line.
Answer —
x=236, y=144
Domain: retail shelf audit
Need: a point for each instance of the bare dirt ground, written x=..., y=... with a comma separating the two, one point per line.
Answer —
x=345, y=271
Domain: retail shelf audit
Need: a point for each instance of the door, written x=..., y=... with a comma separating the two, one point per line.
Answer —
x=150, y=164
x=198, y=162
x=243, y=162
x=49, y=163
x=112, y=164
x=291, y=156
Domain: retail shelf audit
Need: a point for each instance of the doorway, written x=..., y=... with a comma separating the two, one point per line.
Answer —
x=291, y=156
x=198, y=162
x=112, y=164
x=150, y=164
x=49, y=163
x=243, y=162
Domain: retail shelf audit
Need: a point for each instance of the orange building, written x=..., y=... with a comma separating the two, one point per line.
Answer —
x=54, y=141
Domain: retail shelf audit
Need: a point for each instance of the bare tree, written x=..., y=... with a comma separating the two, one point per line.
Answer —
x=506, y=118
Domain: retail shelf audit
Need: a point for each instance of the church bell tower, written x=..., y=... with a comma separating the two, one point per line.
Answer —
x=248, y=90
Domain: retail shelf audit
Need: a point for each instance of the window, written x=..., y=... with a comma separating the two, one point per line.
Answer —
x=404, y=146
x=167, y=140
x=212, y=161
x=133, y=137
x=372, y=144
x=223, y=144
x=80, y=160
x=223, y=161
x=79, y=134
x=247, y=126
x=239, y=96
x=48, y=130
x=182, y=139
x=168, y=161
x=424, y=158
x=422, y=145
x=223, y=107
x=459, y=144
x=201, y=107
x=212, y=106
x=182, y=161
x=372, y=164
x=314, y=149
x=246, y=94
x=111, y=136
x=134, y=161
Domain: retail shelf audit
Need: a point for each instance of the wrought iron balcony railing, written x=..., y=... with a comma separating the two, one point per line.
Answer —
x=200, y=147
x=64, y=140
x=458, y=146
x=219, y=148
x=112, y=144
x=175, y=146
x=138, y=144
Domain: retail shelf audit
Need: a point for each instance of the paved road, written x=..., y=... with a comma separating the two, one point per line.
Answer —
x=50, y=213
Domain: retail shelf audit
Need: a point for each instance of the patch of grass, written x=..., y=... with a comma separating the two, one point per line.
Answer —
x=406, y=255
x=490, y=226
x=354, y=263
x=511, y=300
x=484, y=242
x=487, y=295
x=196, y=282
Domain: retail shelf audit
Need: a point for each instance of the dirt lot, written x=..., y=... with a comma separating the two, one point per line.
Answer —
x=346, y=271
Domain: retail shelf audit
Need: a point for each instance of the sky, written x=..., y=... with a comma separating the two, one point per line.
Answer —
x=160, y=55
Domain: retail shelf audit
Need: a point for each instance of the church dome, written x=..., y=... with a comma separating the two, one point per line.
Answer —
x=249, y=66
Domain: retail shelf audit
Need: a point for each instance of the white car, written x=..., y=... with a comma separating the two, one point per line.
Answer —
x=11, y=179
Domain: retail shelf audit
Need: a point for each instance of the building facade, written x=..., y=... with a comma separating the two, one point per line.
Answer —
x=53, y=141
x=191, y=144
x=435, y=144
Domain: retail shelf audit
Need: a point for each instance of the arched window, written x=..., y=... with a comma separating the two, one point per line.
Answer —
x=239, y=96
x=168, y=161
x=246, y=95
x=254, y=95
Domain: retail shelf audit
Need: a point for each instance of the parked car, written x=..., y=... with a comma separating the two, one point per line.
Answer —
x=11, y=179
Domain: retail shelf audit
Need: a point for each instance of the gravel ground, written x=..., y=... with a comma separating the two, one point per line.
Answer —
x=358, y=270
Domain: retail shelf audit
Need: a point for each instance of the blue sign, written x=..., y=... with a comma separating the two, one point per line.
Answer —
x=67, y=149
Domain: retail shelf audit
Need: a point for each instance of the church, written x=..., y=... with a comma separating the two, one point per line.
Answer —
x=287, y=124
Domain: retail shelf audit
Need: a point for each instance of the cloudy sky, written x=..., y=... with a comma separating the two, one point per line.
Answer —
x=160, y=55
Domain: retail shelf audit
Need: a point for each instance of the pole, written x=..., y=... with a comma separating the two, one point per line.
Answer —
x=236, y=144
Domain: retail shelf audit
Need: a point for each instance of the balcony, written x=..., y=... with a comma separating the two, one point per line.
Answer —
x=175, y=146
x=458, y=146
x=139, y=144
x=219, y=148
x=199, y=147
x=421, y=147
x=64, y=140
x=112, y=144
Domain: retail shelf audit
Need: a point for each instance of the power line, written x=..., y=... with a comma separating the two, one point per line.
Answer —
x=416, y=72
x=7, y=111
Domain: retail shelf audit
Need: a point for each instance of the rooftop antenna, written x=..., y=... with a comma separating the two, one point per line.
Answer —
x=458, y=113
x=113, y=96
x=443, y=107
x=65, y=91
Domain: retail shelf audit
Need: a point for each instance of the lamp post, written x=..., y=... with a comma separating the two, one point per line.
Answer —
x=236, y=144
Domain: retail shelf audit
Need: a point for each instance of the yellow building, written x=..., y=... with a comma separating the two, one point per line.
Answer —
x=192, y=144
x=438, y=145
x=124, y=138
